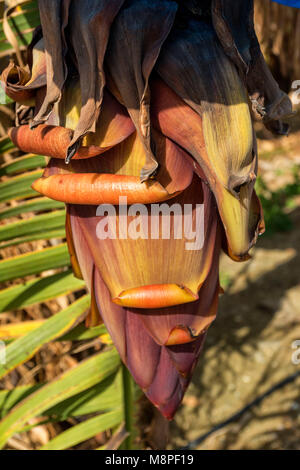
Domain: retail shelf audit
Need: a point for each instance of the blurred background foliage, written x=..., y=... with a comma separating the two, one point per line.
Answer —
x=62, y=386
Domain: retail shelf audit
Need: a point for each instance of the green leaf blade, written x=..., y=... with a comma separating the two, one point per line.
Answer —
x=84, y=431
x=85, y=375
x=39, y=290
x=23, y=348
x=34, y=262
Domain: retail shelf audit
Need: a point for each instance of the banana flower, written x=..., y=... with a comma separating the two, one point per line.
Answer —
x=146, y=108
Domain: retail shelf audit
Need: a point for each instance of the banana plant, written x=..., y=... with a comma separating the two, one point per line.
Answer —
x=146, y=111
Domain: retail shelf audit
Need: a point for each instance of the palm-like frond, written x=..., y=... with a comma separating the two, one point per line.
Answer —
x=93, y=387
